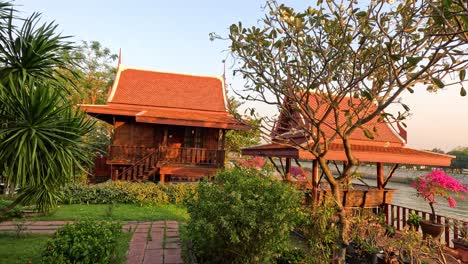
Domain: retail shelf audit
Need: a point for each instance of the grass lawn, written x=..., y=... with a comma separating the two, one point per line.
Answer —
x=122, y=212
x=29, y=248
x=21, y=250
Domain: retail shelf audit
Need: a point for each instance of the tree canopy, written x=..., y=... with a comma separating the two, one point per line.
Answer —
x=461, y=158
x=238, y=139
x=306, y=63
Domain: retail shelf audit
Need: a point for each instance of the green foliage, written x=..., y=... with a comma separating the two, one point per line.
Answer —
x=180, y=193
x=15, y=213
x=128, y=193
x=414, y=219
x=238, y=139
x=26, y=249
x=291, y=256
x=42, y=143
x=93, y=74
x=92, y=77
x=41, y=133
x=83, y=242
x=321, y=231
x=242, y=217
x=461, y=158
x=121, y=212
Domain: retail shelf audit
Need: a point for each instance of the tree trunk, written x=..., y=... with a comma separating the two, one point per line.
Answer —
x=339, y=256
x=433, y=215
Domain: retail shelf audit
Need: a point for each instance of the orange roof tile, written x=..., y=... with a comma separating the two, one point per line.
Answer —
x=363, y=153
x=384, y=132
x=166, y=98
x=182, y=91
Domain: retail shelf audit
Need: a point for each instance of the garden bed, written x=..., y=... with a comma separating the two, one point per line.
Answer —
x=29, y=247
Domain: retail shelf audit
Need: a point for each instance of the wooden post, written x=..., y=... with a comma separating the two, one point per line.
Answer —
x=380, y=176
x=315, y=180
x=223, y=140
x=165, y=132
x=116, y=175
x=162, y=178
x=220, y=138
x=288, y=169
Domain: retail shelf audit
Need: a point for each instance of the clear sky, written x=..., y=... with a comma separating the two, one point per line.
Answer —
x=172, y=35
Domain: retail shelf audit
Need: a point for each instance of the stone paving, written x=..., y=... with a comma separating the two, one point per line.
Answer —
x=152, y=242
x=155, y=242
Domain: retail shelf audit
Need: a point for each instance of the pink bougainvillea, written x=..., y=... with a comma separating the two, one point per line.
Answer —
x=298, y=173
x=253, y=162
x=438, y=183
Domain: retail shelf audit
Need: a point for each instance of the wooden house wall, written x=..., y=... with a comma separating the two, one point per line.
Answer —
x=131, y=133
x=210, y=138
x=138, y=134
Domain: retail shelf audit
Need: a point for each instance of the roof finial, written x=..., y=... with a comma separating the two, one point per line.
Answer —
x=120, y=57
x=224, y=72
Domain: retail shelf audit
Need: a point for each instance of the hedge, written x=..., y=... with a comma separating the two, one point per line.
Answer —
x=128, y=193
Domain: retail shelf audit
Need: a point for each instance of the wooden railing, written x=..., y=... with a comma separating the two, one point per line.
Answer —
x=140, y=170
x=396, y=215
x=128, y=154
x=195, y=156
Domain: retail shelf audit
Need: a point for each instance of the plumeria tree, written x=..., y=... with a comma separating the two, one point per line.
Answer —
x=305, y=63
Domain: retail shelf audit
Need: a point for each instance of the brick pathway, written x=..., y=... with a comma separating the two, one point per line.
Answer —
x=152, y=242
x=155, y=243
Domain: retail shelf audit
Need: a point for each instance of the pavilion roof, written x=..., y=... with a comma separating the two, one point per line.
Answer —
x=388, y=145
x=166, y=98
x=383, y=132
x=363, y=153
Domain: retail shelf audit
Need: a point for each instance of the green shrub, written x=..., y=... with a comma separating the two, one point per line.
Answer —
x=291, y=256
x=242, y=217
x=128, y=193
x=14, y=213
x=321, y=231
x=180, y=193
x=94, y=194
x=83, y=242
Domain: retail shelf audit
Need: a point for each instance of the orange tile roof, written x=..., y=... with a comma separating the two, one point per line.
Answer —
x=172, y=90
x=166, y=98
x=363, y=153
x=384, y=132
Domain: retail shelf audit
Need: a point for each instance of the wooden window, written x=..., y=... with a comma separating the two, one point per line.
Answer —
x=193, y=137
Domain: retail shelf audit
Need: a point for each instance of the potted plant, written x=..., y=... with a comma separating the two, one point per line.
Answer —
x=414, y=220
x=461, y=243
x=434, y=184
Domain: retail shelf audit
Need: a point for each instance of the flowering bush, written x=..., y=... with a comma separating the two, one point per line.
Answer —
x=299, y=173
x=438, y=183
x=252, y=162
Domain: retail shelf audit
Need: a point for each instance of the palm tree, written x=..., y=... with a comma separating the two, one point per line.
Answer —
x=40, y=132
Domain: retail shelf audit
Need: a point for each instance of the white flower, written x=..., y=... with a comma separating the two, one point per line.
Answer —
x=391, y=2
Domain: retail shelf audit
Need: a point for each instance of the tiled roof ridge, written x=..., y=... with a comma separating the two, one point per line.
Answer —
x=152, y=107
x=125, y=67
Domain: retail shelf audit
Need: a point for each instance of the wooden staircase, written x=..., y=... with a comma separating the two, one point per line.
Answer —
x=142, y=169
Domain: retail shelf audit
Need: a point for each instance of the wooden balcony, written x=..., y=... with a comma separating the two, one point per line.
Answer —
x=167, y=156
x=192, y=156
x=127, y=155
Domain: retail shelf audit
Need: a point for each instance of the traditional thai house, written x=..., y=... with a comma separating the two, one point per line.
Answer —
x=387, y=148
x=166, y=125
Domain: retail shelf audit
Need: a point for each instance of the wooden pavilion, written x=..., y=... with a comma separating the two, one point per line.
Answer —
x=388, y=148
x=166, y=125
